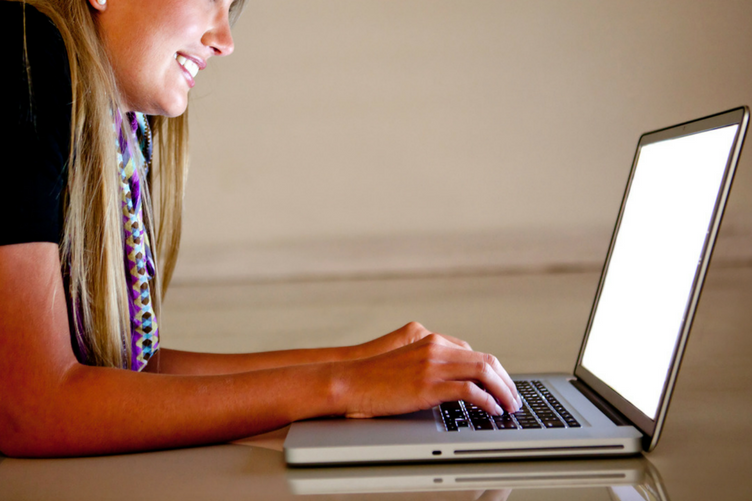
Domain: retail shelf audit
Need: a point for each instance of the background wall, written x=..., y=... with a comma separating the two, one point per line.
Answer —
x=378, y=137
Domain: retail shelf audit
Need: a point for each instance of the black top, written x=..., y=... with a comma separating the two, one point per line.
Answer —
x=35, y=115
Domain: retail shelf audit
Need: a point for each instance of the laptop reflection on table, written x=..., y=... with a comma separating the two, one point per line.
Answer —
x=625, y=479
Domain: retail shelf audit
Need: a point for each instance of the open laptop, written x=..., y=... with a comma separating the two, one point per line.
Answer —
x=616, y=401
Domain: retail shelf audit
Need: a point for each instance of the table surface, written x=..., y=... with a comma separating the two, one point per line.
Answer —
x=705, y=451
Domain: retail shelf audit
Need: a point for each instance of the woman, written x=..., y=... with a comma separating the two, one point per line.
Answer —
x=95, y=109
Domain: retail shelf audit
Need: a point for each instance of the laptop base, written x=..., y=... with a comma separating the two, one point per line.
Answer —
x=421, y=437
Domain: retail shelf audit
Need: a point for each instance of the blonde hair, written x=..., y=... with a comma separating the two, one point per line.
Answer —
x=91, y=251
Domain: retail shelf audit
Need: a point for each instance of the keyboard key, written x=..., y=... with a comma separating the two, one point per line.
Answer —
x=530, y=425
x=529, y=417
x=483, y=425
x=450, y=406
x=553, y=424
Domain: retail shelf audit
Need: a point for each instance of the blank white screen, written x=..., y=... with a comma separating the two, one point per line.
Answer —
x=658, y=248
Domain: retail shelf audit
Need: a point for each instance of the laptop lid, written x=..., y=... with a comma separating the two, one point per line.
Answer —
x=656, y=263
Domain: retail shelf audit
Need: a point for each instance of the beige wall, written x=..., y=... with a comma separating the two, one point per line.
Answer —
x=358, y=124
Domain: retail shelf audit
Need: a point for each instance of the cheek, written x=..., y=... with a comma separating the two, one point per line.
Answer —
x=142, y=77
x=162, y=49
x=183, y=27
x=144, y=67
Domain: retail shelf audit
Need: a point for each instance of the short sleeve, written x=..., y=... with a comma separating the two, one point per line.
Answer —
x=35, y=116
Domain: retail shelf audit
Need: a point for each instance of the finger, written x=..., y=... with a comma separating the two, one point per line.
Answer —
x=477, y=367
x=513, y=401
x=449, y=391
x=480, y=371
x=494, y=362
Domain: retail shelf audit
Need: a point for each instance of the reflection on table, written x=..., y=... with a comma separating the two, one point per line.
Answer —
x=231, y=472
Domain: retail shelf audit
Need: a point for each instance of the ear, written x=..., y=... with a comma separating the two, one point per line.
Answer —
x=99, y=5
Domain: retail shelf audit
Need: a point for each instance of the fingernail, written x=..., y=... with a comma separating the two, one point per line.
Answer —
x=499, y=410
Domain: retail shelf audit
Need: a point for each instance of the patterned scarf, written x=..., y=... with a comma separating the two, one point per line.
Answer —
x=139, y=262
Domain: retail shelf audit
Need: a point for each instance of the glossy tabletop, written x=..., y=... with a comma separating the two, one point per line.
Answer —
x=704, y=453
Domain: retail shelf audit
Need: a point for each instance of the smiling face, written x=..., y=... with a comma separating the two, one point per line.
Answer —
x=156, y=47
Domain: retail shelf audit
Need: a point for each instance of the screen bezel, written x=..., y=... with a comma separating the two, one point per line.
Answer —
x=651, y=427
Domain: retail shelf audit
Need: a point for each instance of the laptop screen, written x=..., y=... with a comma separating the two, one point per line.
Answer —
x=648, y=283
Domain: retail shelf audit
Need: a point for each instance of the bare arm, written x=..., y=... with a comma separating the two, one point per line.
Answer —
x=53, y=406
x=168, y=361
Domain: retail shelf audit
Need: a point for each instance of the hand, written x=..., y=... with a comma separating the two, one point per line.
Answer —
x=403, y=336
x=420, y=375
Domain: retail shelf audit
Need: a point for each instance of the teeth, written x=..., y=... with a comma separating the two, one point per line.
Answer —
x=187, y=64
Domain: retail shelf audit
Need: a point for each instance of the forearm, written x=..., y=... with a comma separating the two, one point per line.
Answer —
x=103, y=411
x=168, y=361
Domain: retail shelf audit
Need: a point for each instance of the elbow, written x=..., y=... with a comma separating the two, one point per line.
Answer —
x=19, y=440
x=8, y=434
x=39, y=439
x=33, y=422
x=14, y=439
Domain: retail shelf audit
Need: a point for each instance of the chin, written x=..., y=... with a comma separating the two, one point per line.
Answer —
x=169, y=106
x=174, y=110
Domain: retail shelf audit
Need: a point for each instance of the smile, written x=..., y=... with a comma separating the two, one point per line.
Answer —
x=190, y=66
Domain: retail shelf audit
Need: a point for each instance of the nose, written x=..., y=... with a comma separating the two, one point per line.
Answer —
x=219, y=38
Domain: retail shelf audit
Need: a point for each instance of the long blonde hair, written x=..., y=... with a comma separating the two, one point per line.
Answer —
x=91, y=251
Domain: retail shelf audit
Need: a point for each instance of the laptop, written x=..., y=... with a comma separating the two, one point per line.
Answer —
x=616, y=400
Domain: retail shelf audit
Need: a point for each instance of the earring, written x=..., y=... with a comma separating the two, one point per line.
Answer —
x=101, y=2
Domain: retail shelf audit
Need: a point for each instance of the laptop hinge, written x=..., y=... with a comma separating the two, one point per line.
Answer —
x=614, y=415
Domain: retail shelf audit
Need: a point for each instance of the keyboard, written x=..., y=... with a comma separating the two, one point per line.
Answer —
x=540, y=409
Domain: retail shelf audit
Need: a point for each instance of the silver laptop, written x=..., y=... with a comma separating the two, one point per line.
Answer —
x=616, y=401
